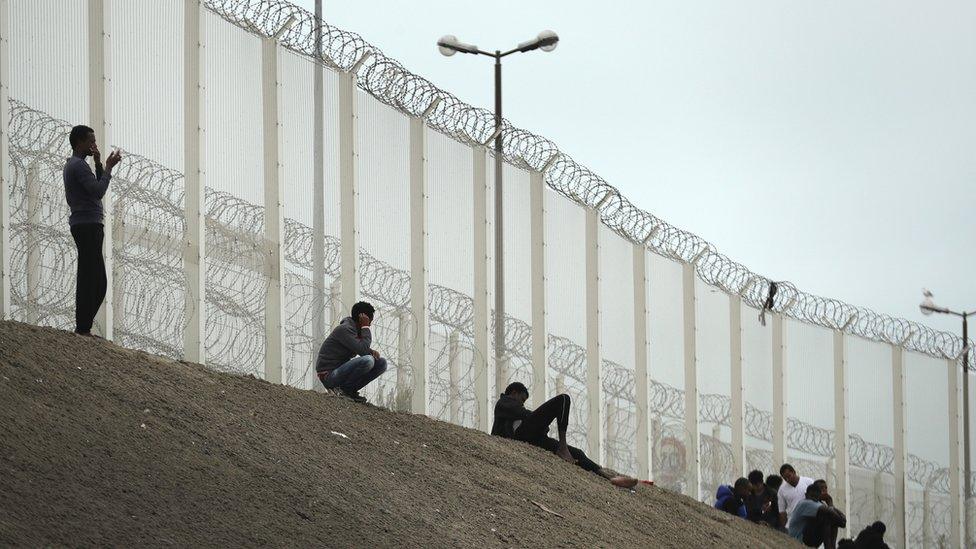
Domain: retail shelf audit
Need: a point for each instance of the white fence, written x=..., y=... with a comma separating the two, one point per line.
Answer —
x=236, y=235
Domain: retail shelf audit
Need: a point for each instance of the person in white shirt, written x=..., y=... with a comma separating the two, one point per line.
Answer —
x=792, y=491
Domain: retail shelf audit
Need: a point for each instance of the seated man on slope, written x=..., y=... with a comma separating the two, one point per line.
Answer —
x=513, y=420
x=346, y=363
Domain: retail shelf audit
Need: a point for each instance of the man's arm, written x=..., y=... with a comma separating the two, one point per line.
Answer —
x=348, y=338
x=508, y=408
x=782, y=519
x=95, y=187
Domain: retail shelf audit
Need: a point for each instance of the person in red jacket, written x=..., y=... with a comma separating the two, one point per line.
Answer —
x=513, y=420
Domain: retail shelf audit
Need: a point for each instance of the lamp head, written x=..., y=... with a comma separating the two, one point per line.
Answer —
x=928, y=306
x=447, y=45
x=547, y=40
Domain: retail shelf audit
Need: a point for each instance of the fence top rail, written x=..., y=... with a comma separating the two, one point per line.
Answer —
x=387, y=80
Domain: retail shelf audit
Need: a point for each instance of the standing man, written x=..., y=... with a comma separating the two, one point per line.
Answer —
x=346, y=363
x=83, y=191
x=791, y=492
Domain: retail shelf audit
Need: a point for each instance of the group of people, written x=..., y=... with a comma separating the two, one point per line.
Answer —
x=346, y=363
x=796, y=505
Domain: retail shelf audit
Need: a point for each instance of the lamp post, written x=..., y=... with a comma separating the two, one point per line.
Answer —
x=928, y=307
x=448, y=46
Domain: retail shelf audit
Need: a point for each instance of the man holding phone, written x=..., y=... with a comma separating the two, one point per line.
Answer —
x=346, y=363
x=83, y=191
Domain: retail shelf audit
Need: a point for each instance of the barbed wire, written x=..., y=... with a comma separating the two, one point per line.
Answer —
x=148, y=195
x=387, y=80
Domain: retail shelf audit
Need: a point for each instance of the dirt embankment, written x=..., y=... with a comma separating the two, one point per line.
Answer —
x=104, y=446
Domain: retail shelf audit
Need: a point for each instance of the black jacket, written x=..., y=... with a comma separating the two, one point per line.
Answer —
x=507, y=411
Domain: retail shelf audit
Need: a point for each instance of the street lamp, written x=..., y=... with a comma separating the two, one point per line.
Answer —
x=928, y=307
x=449, y=45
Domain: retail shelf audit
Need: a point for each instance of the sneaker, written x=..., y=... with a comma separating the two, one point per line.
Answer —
x=354, y=396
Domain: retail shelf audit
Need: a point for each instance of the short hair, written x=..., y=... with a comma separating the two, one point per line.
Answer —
x=516, y=388
x=774, y=481
x=814, y=490
x=756, y=477
x=741, y=482
x=786, y=467
x=362, y=307
x=79, y=133
x=821, y=482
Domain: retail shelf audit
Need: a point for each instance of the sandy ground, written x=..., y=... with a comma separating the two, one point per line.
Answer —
x=104, y=446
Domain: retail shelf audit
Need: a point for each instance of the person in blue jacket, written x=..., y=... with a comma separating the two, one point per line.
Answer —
x=732, y=499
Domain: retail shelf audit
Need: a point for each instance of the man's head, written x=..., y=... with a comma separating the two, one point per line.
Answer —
x=756, y=480
x=517, y=391
x=82, y=139
x=742, y=487
x=789, y=474
x=813, y=492
x=823, y=487
x=362, y=308
x=774, y=481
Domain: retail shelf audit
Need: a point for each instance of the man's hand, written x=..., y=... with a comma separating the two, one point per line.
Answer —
x=363, y=320
x=113, y=159
x=376, y=354
x=96, y=154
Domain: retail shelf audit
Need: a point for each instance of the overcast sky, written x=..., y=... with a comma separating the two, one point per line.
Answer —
x=828, y=143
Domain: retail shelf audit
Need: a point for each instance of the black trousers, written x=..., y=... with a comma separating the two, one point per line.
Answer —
x=535, y=429
x=92, y=282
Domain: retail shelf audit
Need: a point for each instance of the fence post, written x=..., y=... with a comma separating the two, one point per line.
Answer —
x=5, y=169
x=194, y=212
x=738, y=406
x=842, y=490
x=957, y=507
x=99, y=97
x=644, y=458
x=31, y=304
x=418, y=263
x=899, y=471
x=403, y=354
x=454, y=376
x=779, y=393
x=537, y=237
x=594, y=378
x=927, y=537
x=479, y=301
x=611, y=431
x=318, y=187
x=693, y=445
x=273, y=222
x=348, y=193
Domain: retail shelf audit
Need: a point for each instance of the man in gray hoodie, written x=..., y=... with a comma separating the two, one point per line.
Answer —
x=84, y=190
x=346, y=363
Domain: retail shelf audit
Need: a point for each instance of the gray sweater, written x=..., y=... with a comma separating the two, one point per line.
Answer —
x=84, y=191
x=344, y=343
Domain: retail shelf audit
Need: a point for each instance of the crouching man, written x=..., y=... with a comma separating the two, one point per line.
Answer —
x=346, y=363
x=513, y=420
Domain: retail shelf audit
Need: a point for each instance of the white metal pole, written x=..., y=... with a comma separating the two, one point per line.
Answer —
x=899, y=471
x=6, y=173
x=479, y=307
x=611, y=430
x=32, y=303
x=454, y=376
x=99, y=96
x=779, y=392
x=403, y=356
x=318, y=188
x=594, y=374
x=537, y=212
x=955, y=455
x=273, y=222
x=738, y=402
x=644, y=459
x=194, y=252
x=348, y=194
x=418, y=263
x=693, y=442
x=842, y=490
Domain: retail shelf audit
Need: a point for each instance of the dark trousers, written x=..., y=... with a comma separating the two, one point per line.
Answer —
x=92, y=283
x=535, y=429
